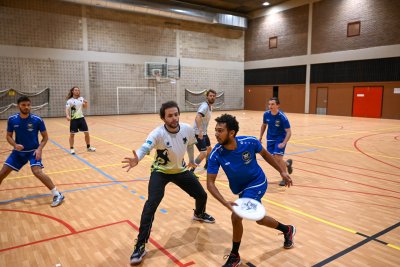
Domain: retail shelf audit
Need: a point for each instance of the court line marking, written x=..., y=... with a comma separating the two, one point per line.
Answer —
x=315, y=218
x=131, y=224
x=67, y=225
x=359, y=244
x=344, y=134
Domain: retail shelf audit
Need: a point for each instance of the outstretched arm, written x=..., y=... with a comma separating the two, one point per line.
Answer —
x=271, y=161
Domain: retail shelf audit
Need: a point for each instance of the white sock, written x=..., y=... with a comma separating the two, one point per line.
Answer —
x=55, y=192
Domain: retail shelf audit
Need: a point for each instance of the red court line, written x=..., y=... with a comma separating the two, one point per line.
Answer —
x=377, y=178
x=350, y=181
x=156, y=244
x=359, y=149
x=159, y=247
x=341, y=164
x=70, y=228
x=344, y=190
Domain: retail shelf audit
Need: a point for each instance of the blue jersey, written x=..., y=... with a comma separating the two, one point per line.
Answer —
x=26, y=130
x=276, y=125
x=240, y=165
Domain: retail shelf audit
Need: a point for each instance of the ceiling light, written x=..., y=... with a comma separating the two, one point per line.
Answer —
x=265, y=4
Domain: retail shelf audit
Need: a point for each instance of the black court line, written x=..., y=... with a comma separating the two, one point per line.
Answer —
x=347, y=250
x=250, y=264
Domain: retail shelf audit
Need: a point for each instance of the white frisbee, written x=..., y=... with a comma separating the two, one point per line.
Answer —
x=249, y=209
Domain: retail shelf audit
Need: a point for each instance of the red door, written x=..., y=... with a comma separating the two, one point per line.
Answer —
x=367, y=102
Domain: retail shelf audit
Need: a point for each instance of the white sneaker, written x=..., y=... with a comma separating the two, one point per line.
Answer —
x=72, y=151
x=91, y=149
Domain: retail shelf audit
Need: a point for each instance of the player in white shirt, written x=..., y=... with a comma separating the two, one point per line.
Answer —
x=171, y=141
x=74, y=114
x=202, y=119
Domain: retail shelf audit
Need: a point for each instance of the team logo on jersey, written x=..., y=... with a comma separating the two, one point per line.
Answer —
x=162, y=157
x=246, y=157
x=16, y=125
x=30, y=127
x=277, y=123
x=184, y=140
x=149, y=142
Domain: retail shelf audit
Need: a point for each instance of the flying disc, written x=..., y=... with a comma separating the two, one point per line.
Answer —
x=249, y=209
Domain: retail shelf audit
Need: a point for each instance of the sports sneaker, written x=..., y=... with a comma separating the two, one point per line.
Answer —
x=137, y=255
x=203, y=217
x=72, y=151
x=233, y=260
x=282, y=183
x=57, y=200
x=91, y=149
x=289, y=163
x=289, y=237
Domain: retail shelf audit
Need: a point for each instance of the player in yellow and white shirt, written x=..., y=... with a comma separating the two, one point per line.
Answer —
x=171, y=141
x=74, y=113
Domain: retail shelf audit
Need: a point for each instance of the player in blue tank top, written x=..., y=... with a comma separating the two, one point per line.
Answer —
x=27, y=147
x=237, y=157
x=278, y=134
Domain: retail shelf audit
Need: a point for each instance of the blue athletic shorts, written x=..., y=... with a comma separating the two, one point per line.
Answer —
x=272, y=147
x=255, y=192
x=18, y=159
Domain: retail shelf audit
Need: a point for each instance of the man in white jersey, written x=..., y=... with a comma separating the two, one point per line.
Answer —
x=200, y=127
x=171, y=141
x=74, y=113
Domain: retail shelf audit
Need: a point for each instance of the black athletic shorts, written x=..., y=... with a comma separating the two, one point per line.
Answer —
x=78, y=125
x=202, y=144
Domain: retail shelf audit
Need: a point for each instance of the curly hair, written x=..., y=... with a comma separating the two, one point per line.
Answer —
x=231, y=123
x=169, y=104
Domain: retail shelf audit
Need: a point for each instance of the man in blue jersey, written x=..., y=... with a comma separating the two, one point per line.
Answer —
x=278, y=134
x=237, y=157
x=26, y=146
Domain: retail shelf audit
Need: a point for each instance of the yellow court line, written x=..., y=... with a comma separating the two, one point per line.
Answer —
x=64, y=171
x=345, y=150
x=313, y=217
x=335, y=135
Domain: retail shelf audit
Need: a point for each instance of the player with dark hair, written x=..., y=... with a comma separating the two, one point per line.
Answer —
x=237, y=157
x=278, y=134
x=74, y=114
x=171, y=140
x=27, y=147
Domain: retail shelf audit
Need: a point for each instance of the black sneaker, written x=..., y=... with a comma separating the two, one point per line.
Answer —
x=233, y=260
x=289, y=163
x=138, y=253
x=289, y=237
x=203, y=217
x=282, y=183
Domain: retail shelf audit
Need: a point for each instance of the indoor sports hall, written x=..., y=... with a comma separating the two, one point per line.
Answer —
x=334, y=65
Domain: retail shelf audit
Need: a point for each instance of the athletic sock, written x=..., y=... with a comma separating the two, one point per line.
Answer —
x=235, y=248
x=55, y=192
x=72, y=147
x=283, y=228
x=88, y=145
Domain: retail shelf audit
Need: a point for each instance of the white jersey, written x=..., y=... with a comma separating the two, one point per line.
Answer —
x=205, y=110
x=75, y=105
x=170, y=148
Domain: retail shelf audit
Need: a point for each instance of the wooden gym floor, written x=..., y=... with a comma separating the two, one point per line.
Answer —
x=345, y=201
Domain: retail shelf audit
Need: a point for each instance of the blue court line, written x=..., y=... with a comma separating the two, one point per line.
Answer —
x=87, y=163
x=359, y=244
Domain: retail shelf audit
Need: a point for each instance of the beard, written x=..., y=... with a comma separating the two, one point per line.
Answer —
x=211, y=101
x=25, y=111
